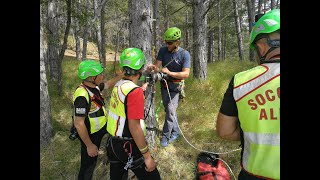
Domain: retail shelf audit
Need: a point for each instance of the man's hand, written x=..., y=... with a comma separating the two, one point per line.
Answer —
x=166, y=70
x=150, y=164
x=144, y=86
x=151, y=67
x=92, y=150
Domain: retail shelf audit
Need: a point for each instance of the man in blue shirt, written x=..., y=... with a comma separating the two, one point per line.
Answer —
x=175, y=62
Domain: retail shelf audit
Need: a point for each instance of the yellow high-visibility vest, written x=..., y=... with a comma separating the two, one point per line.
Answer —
x=117, y=116
x=257, y=95
x=97, y=121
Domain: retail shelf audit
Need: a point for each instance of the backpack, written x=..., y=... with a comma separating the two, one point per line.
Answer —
x=211, y=168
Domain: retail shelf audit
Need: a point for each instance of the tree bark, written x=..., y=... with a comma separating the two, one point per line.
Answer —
x=250, y=10
x=199, y=39
x=77, y=29
x=85, y=34
x=211, y=46
x=156, y=28
x=53, y=40
x=45, y=109
x=64, y=46
x=238, y=29
x=219, y=32
x=140, y=37
x=186, y=33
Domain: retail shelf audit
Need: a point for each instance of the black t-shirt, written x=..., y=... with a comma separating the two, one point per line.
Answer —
x=228, y=105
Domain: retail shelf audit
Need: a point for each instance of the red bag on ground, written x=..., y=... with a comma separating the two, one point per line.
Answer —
x=211, y=168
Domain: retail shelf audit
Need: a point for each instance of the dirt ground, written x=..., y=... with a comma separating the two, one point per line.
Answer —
x=95, y=55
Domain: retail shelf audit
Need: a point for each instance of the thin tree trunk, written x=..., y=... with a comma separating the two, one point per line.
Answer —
x=238, y=30
x=219, y=32
x=156, y=28
x=77, y=28
x=211, y=46
x=259, y=6
x=272, y=4
x=85, y=34
x=141, y=37
x=64, y=45
x=250, y=10
x=186, y=33
x=166, y=16
x=45, y=109
x=53, y=40
x=103, y=36
x=97, y=27
x=199, y=39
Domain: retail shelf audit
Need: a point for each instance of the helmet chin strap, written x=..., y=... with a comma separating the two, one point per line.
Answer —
x=94, y=81
x=273, y=45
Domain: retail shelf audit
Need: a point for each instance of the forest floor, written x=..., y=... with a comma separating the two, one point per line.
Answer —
x=93, y=55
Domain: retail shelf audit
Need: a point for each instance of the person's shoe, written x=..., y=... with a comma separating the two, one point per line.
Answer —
x=164, y=141
x=173, y=137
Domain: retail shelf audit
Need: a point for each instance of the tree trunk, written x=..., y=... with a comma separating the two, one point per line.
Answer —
x=77, y=28
x=85, y=35
x=186, y=33
x=53, y=40
x=103, y=35
x=140, y=37
x=166, y=16
x=272, y=4
x=45, y=109
x=99, y=29
x=224, y=42
x=211, y=46
x=199, y=39
x=219, y=32
x=250, y=10
x=259, y=6
x=156, y=28
x=238, y=29
x=64, y=46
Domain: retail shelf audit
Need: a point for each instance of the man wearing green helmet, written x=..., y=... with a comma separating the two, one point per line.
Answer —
x=90, y=117
x=175, y=62
x=250, y=110
x=126, y=146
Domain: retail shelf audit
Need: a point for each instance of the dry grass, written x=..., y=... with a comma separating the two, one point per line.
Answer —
x=196, y=117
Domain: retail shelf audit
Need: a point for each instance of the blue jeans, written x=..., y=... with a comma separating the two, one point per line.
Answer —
x=170, y=127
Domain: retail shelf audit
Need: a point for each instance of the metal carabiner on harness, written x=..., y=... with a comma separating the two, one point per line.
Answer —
x=130, y=157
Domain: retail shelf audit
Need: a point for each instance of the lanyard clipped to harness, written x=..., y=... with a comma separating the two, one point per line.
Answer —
x=130, y=157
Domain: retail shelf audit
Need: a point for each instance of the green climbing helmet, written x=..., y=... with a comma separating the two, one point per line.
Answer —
x=172, y=34
x=268, y=23
x=89, y=68
x=132, y=58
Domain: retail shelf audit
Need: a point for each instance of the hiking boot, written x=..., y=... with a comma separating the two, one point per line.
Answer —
x=173, y=137
x=164, y=141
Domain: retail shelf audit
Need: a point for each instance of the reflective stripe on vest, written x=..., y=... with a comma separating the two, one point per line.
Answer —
x=257, y=95
x=96, y=122
x=117, y=116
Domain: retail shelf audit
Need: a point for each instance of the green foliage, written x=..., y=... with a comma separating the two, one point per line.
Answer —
x=196, y=116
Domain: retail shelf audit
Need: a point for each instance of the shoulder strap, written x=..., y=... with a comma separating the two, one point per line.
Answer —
x=93, y=97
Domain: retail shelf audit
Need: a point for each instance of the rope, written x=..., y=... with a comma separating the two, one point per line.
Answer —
x=186, y=138
x=193, y=145
x=228, y=167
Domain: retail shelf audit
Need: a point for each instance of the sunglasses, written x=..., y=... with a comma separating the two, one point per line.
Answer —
x=170, y=43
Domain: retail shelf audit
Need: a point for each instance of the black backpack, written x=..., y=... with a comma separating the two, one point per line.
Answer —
x=210, y=168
